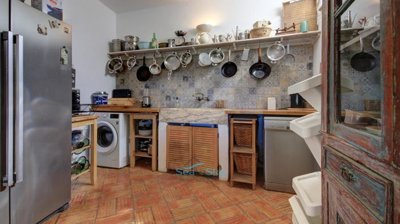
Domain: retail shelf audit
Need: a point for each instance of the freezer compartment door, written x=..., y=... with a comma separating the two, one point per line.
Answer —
x=46, y=135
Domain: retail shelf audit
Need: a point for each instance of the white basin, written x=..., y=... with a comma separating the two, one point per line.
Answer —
x=309, y=127
x=299, y=216
x=308, y=190
x=310, y=90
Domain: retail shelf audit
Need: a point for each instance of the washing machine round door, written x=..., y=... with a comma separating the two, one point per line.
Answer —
x=107, y=138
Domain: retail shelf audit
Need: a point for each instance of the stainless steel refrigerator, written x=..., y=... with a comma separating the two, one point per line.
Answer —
x=35, y=111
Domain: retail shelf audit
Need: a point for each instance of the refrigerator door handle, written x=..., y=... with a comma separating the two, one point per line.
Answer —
x=19, y=107
x=7, y=113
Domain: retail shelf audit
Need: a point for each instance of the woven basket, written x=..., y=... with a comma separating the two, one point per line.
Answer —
x=297, y=11
x=243, y=163
x=260, y=32
x=243, y=135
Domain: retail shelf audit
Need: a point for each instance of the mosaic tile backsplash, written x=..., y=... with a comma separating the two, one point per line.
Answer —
x=239, y=91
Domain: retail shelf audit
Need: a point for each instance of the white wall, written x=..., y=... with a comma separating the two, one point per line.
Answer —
x=93, y=26
x=223, y=14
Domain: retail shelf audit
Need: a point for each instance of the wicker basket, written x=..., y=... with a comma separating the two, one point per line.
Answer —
x=243, y=163
x=243, y=135
x=298, y=11
x=260, y=32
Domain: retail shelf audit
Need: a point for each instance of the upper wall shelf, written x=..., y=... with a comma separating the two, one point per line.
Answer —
x=294, y=39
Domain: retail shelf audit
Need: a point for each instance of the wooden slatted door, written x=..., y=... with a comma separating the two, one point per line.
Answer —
x=205, y=150
x=179, y=147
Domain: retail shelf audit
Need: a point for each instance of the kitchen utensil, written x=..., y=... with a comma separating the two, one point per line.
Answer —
x=122, y=93
x=216, y=56
x=304, y=26
x=144, y=45
x=171, y=43
x=116, y=45
x=204, y=59
x=245, y=54
x=163, y=45
x=276, y=52
x=204, y=38
x=99, y=98
x=376, y=42
x=260, y=70
x=222, y=38
x=154, y=68
x=143, y=73
x=131, y=42
x=131, y=62
x=362, y=61
x=172, y=63
x=229, y=69
x=186, y=58
x=241, y=36
x=215, y=39
x=114, y=65
x=289, y=58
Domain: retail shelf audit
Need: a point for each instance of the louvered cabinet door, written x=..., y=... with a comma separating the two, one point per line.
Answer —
x=205, y=150
x=179, y=147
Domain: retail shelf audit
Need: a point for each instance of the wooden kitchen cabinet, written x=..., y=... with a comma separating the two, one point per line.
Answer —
x=192, y=149
x=361, y=141
x=179, y=147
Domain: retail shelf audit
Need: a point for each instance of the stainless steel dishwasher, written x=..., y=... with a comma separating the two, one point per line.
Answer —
x=286, y=155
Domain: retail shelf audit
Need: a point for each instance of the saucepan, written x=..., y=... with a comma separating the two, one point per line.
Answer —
x=362, y=61
x=114, y=65
x=131, y=62
x=216, y=56
x=172, y=62
x=186, y=58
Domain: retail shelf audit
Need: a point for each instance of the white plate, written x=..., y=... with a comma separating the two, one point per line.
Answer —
x=204, y=59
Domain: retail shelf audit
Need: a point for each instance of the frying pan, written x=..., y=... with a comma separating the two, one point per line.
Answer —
x=143, y=73
x=362, y=61
x=229, y=69
x=260, y=70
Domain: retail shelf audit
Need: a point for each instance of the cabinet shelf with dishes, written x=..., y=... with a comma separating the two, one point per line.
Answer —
x=143, y=143
x=294, y=39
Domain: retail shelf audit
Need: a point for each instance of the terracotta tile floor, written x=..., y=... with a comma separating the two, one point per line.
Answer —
x=140, y=196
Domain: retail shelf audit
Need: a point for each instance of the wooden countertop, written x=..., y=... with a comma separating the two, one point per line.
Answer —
x=281, y=112
x=285, y=112
x=125, y=109
x=80, y=118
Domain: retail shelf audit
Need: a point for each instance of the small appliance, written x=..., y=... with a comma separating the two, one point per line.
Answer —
x=76, y=101
x=121, y=93
x=99, y=98
x=146, y=98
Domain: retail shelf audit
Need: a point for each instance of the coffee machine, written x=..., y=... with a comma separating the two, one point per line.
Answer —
x=146, y=98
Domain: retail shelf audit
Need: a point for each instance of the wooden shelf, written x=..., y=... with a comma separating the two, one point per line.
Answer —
x=91, y=121
x=81, y=149
x=133, y=118
x=246, y=150
x=74, y=176
x=242, y=178
x=295, y=39
x=362, y=34
x=143, y=136
x=142, y=154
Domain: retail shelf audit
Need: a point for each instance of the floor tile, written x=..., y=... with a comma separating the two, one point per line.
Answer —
x=138, y=195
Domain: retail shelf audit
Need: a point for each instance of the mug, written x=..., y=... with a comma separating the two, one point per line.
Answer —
x=304, y=26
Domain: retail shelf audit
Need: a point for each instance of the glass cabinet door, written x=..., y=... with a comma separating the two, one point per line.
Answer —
x=355, y=75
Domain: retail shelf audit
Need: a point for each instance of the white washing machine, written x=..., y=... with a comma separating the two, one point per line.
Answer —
x=112, y=140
